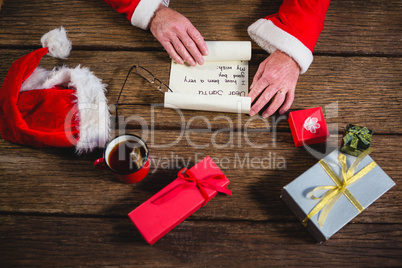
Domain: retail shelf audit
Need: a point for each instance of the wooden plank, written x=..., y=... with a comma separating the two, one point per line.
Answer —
x=65, y=241
x=258, y=164
x=360, y=90
x=352, y=27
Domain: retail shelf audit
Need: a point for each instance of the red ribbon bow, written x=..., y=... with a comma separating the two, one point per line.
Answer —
x=188, y=176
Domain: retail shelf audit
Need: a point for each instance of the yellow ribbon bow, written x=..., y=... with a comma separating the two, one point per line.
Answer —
x=335, y=191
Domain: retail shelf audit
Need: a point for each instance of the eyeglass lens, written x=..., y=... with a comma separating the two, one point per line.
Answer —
x=145, y=74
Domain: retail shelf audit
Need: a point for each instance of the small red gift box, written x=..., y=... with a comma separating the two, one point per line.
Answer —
x=191, y=190
x=308, y=126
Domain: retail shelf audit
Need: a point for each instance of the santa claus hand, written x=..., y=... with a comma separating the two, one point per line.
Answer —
x=276, y=78
x=178, y=36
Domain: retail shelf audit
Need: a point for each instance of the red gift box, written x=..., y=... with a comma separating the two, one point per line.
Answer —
x=191, y=190
x=308, y=126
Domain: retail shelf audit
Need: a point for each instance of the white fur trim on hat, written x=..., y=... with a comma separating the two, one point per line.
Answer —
x=94, y=116
x=270, y=37
x=36, y=80
x=145, y=11
x=93, y=112
x=57, y=42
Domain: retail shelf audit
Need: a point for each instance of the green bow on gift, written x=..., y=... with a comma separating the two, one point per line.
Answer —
x=356, y=133
x=356, y=140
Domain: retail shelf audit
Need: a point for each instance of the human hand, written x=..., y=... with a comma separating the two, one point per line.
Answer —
x=178, y=36
x=276, y=76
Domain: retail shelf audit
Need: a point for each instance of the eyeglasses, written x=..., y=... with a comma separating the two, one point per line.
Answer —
x=148, y=76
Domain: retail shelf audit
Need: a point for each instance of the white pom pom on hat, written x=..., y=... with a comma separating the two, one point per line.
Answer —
x=57, y=42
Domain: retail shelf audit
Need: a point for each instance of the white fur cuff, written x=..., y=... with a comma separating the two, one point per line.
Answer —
x=144, y=12
x=270, y=37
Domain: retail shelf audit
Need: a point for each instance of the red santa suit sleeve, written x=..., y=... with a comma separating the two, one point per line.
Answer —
x=294, y=29
x=139, y=12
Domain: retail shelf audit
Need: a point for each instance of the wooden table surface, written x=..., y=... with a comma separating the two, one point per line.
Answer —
x=57, y=210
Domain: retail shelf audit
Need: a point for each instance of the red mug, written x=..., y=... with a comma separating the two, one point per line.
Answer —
x=119, y=158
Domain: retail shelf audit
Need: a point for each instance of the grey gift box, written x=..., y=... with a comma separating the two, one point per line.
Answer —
x=366, y=190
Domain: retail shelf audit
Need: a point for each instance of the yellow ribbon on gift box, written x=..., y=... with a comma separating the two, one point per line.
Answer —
x=335, y=191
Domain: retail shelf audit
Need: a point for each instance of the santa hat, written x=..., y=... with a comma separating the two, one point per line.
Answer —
x=58, y=108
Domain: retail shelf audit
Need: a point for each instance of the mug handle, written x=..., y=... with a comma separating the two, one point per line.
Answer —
x=100, y=164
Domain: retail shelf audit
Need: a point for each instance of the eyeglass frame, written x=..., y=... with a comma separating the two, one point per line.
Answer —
x=154, y=79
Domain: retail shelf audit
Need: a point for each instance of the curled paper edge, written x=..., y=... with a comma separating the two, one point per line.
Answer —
x=188, y=101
